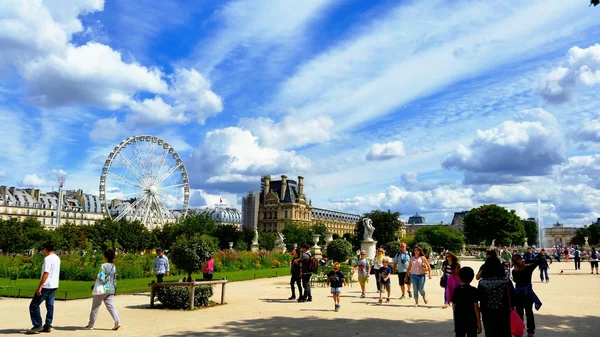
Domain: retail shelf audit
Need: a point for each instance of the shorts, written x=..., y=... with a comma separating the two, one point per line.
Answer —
x=336, y=291
x=362, y=279
x=594, y=264
x=401, y=279
x=387, y=286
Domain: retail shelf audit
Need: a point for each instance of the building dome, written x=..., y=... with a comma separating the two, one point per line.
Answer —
x=225, y=215
x=416, y=220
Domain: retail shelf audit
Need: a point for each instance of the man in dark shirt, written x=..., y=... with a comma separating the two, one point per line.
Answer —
x=543, y=259
x=467, y=320
x=529, y=256
x=306, y=274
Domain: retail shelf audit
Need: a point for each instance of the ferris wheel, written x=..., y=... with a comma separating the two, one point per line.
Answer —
x=144, y=179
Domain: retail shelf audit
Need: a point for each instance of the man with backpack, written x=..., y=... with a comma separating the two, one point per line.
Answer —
x=309, y=266
x=594, y=260
x=401, y=261
x=577, y=258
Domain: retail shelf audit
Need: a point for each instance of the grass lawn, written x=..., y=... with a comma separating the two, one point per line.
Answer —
x=81, y=289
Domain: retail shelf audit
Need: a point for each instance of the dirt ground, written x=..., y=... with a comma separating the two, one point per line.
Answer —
x=571, y=302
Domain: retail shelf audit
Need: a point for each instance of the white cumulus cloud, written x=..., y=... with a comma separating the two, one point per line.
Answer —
x=290, y=132
x=386, y=151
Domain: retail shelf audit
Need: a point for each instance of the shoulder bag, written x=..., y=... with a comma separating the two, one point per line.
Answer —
x=517, y=327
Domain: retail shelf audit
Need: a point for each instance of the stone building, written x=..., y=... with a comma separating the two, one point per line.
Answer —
x=284, y=201
x=224, y=215
x=457, y=220
x=76, y=207
x=250, y=207
x=558, y=234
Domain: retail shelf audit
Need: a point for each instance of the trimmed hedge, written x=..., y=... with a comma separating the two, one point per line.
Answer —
x=179, y=297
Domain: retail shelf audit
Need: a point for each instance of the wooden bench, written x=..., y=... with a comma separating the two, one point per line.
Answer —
x=191, y=285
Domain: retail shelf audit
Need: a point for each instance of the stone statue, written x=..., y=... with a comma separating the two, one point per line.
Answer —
x=493, y=244
x=587, y=244
x=369, y=229
x=526, y=244
x=279, y=240
x=255, y=239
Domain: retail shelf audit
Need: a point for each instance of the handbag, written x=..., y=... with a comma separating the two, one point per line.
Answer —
x=517, y=327
x=99, y=287
x=443, y=280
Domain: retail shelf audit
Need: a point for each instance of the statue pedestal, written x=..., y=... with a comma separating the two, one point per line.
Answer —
x=279, y=249
x=254, y=247
x=370, y=247
x=316, y=251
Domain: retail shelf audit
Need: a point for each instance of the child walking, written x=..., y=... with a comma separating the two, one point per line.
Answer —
x=336, y=280
x=385, y=274
x=467, y=319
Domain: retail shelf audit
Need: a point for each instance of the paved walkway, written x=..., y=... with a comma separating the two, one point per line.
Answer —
x=258, y=308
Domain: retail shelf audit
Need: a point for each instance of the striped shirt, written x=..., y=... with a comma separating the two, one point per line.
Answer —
x=161, y=265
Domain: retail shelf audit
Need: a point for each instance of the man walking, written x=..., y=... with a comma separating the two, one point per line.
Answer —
x=306, y=273
x=543, y=265
x=577, y=258
x=529, y=256
x=363, y=271
x=45, y=291
x=161, y=265
x=401, y=261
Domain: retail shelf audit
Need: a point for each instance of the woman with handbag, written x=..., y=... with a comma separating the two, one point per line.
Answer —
x=208, y=270
x=495, y=293
x=450, y=279
x=525, y=296
x=417, y=268
x=104, y=291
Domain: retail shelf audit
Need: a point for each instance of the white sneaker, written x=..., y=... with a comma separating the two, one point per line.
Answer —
x=116, y=327
x=87, y=328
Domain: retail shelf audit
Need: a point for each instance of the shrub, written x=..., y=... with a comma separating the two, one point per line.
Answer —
x=339, y=250
x=426, y=248
x=179, y=297
x=392, y=248
x=190, y=254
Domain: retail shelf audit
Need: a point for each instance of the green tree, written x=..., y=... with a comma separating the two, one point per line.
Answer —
x=392, y=248
x=425, y=247
x=490, y=222
x=227, y=233
x=295, y=233
x=409, y=240
x=189, y=254
x=591, y=231
x=386, y=227
x=531, y=231
x=133, y=236
x=266, y=240
x=440, y=237
x=339, y=250
x=321, y=229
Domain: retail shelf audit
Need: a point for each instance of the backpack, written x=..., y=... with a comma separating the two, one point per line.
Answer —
x=594, y=254
x=313, y=265
x=576, y=253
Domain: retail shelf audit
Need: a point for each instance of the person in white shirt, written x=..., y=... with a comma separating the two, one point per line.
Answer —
x=45, y=291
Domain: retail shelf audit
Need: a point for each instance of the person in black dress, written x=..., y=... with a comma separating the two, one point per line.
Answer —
x=495, y=292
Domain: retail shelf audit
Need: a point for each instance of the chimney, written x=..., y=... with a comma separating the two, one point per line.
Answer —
x=12, y=190
x=300, y=185
x=266, y=184
x=283, y=186
x=3, y=194
x=36, y=195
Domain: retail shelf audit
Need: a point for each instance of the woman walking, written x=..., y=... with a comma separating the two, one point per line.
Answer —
x=104, y=291
x=377, y=264
x=525, y=297
x=296, y=272
x=208, y=270
x=495, y=294
x=451, y=280
x=417, y=268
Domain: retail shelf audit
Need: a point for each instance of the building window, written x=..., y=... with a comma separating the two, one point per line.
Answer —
x=44, y=213
x=52, y=221
x=43, y=221
x=27, y=212
x=286, y=214
x=51, y=213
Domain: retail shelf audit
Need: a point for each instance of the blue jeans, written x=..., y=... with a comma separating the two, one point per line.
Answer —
x=544, y=271
x=418, y=283
x=34, y=307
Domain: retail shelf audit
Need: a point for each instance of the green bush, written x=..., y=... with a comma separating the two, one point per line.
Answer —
x=190, y=254
x=179, y=297
x=339, y=250
x=392, y=248
x=426, y=248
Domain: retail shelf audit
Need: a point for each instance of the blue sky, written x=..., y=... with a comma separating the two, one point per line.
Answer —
x=415, y=106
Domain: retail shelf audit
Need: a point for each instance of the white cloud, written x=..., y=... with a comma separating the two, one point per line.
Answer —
x=409, y=53
x=233, y=157
x=257, y=24
x=529, y=145
x=589, y=131
x=290, y=132
x=582, y=68
x=387, y=151
x=33, y=180
x=60, y=73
